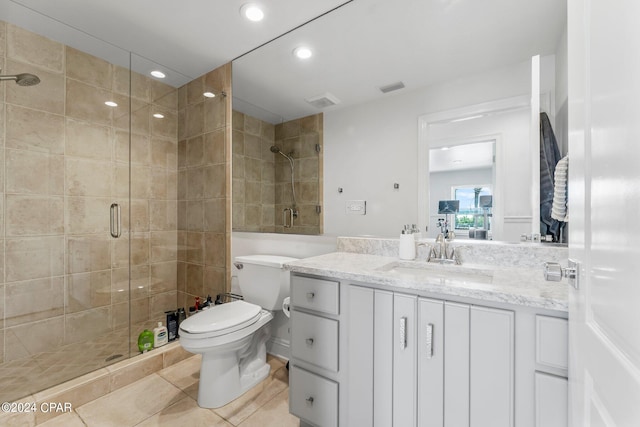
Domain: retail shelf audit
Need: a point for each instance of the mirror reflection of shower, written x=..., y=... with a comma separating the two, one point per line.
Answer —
x=24, y=79
x=292, y=212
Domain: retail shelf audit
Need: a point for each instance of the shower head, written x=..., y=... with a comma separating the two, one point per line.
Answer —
x=275, y=149
x=24, y=79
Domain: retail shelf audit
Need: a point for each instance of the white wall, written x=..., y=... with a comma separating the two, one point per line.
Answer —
x=368, y=148
x=561, y=128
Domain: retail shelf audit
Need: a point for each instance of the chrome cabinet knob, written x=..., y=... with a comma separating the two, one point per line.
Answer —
x=310, y=295
x=309, y=341
x=309, y=400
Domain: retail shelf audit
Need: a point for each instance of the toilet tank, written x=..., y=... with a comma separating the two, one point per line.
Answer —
x=262, y=279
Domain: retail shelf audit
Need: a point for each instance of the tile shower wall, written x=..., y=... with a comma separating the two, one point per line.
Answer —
x=262, y=179
x=204, y=202
x=253, y=174
x=64, y=159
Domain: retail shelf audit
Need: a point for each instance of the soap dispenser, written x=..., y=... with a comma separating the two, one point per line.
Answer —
x=160, y=335
x=407, y=250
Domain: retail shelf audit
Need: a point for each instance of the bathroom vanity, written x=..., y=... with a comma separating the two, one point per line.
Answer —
x=379, y=342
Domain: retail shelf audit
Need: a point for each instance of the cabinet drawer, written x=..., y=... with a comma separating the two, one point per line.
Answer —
x=313, y=398
x=315, y=294
x=314, y=339
x=552, y=342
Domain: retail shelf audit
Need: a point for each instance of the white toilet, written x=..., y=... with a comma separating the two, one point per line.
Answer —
x=231, y=337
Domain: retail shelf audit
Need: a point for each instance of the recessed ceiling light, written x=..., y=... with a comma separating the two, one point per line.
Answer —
x=110, y=104
x=158, y=74
x=302, y=52
x=158, y=116
x=209, y=94
x=252, y=12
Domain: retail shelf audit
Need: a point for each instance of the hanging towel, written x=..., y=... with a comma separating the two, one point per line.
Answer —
x=559, y=208
x=549, y=157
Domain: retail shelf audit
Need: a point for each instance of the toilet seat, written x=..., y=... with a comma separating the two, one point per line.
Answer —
x=221, y=320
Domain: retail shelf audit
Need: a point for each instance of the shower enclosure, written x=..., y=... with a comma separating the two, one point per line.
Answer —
x=114, y=205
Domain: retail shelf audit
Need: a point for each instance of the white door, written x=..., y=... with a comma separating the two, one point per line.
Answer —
x=604, y=212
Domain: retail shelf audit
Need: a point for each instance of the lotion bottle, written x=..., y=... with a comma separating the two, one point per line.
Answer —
x=160, y=336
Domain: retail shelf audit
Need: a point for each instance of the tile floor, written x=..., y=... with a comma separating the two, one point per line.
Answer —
x=29, y=375
x=169, y=397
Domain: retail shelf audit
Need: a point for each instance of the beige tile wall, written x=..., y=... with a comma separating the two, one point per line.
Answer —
x=262, y=179
x=204, y=201
x=64, y=158
x=253, y=174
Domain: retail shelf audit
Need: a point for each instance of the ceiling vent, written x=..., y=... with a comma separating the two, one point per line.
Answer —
x=391, y=87
x=323, y=101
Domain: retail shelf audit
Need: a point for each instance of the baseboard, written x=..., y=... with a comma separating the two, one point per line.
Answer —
x=278, y=347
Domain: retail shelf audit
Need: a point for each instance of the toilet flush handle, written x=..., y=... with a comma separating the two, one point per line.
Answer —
x=238, y=265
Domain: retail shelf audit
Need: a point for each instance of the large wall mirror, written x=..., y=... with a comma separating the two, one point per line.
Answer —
x=377, y=68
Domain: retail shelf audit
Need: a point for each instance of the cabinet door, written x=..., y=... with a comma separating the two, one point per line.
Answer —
x=551, y=401
x=430, y=362
x=491, y=378
x=456, y=365
x=360, y=356
x=404, y=360
x=383, y=360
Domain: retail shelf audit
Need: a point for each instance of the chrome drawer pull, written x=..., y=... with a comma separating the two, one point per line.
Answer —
x=311, y=295
x=309, y=400
x=309, y=341
x=403, y=332
x=429, y=340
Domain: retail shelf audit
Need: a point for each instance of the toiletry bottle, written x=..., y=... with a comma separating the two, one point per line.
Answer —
x=172, y=324
x=407, y=250
x=160, y=336
x=182, y=316
x=145, y=340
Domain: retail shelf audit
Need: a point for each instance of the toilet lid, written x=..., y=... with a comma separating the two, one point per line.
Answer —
x=222, y=317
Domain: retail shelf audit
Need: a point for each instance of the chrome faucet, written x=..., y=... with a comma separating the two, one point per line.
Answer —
x=443, y=251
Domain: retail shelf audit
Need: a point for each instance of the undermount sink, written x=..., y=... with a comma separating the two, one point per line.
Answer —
x=438, y=271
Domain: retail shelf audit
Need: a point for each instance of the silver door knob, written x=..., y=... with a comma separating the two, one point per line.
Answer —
x=552, y=271
x=555, y=272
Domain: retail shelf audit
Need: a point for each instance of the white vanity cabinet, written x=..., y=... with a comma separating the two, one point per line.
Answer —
x=551, y=384
x=314, y=372
x=386, y=358
x=434, y=363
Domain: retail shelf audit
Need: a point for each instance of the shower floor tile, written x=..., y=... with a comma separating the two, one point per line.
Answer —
x=29, y=375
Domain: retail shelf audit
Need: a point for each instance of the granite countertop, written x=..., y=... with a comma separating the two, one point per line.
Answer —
x=523, y=286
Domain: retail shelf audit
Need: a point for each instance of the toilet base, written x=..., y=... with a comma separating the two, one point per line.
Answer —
x=225, y=377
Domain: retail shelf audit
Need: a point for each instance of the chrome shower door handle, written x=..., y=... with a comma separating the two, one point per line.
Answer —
x=115, y=223
x=284, y=217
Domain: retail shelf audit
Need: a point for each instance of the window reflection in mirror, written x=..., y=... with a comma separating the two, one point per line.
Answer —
x=463, y=172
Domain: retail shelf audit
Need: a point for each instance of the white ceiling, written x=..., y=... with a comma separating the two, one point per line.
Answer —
x=358, y=47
